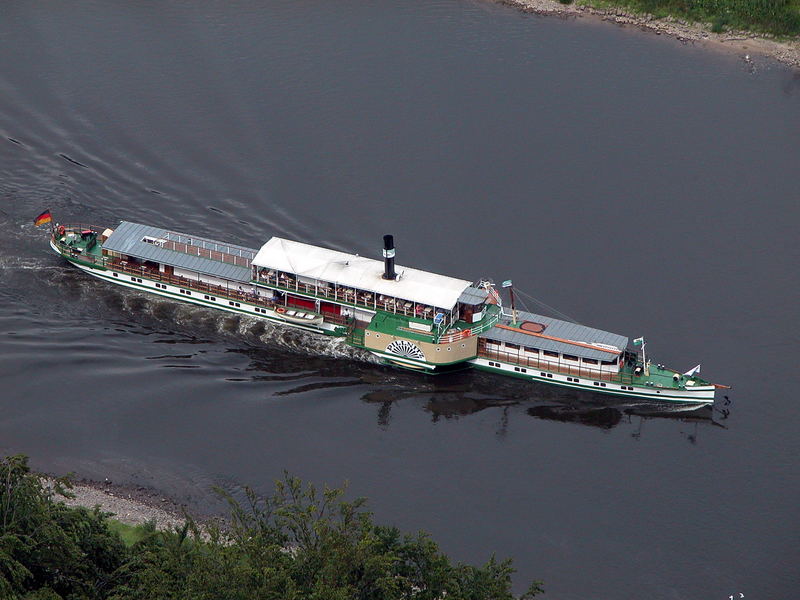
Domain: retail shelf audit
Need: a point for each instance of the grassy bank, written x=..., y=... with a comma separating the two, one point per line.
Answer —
x=775, y=17
x=130, y=534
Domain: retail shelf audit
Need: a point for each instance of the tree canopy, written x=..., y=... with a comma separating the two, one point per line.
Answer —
x=297, y=543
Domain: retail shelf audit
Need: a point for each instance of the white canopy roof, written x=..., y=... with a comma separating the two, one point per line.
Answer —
x=356, y=271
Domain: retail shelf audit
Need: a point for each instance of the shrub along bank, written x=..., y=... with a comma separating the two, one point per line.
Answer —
x=297, y=543
x=776, y=17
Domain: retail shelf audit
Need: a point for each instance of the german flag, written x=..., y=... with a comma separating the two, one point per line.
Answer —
x=43, y=218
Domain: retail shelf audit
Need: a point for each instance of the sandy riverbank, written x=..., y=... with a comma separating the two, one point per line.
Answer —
x=743, y=43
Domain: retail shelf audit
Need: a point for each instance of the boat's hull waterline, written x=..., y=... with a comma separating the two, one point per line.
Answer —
x=405, y=317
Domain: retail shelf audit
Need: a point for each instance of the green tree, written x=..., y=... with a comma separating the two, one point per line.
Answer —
x=48, y=550
x=298, y=543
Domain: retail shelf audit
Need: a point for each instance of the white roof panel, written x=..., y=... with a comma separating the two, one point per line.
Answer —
x=356, y=271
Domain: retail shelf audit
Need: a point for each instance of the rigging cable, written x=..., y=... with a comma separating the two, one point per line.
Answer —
x=547, y=306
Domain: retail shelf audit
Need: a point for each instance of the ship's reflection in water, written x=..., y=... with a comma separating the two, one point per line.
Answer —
x=459, y=395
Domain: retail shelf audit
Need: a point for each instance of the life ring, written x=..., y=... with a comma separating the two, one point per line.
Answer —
x=61, y=230
x=280, y=309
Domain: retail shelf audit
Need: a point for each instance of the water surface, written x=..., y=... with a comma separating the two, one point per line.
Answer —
x=636, y=184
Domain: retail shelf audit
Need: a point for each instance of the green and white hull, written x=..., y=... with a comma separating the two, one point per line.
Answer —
x=410, y=319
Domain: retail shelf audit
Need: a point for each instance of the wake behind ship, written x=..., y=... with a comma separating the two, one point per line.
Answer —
x=406, y=317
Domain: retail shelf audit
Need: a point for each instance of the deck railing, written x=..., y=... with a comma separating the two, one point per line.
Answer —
x=486, y=324
x=223, y=292
x=361, y=299
x=554, y=367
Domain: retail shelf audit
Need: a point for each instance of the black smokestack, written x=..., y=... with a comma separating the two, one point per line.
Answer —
x=388, y=257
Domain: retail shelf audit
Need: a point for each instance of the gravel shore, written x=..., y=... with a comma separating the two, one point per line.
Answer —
x=130, y=505
x=743, y=43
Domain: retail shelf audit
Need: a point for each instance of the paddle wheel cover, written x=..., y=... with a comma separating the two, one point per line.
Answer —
x=406, y=349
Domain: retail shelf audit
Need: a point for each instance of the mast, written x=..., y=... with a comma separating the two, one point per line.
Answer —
x=510, y=285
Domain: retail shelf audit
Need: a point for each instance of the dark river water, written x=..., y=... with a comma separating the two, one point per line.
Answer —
x=635, y=184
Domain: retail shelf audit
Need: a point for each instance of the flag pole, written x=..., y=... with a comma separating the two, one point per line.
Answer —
x=510, y=285
x=644, y=358
x=513, y=307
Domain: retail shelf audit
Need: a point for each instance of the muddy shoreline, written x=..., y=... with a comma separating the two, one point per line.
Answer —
x=745, y=44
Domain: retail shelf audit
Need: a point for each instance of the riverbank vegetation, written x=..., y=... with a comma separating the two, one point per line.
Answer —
x=297, y=543
x=776, y=17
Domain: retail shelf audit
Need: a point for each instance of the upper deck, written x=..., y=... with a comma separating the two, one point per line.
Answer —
x=192, y=253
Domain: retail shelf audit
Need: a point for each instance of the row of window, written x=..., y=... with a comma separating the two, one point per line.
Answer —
x=552, y=354
x=161, y=286
x=261, y=310
x=550, y=375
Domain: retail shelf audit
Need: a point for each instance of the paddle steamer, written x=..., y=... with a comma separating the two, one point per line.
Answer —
x=406, y=317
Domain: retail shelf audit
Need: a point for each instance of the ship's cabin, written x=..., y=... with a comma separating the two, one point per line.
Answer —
x=329, y=278
x=551, y=344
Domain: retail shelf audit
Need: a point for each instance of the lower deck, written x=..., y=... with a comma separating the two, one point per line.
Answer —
x=659, y=384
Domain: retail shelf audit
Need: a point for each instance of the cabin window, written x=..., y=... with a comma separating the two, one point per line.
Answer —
x=590, y=361
x=571, y=357
x=551, y=353
x=512, y=346
x=610, y=362
x=531, y=350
